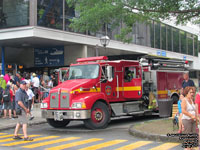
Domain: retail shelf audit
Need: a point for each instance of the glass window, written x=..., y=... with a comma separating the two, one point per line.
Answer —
x=50, y=13
x=183, y=42
x=163, y=36
x=169, y=38
x=151, y=25
x=157, y=35
x=129, y=74
x=195, y=45
x=199, y=46
x=84, y=72
x=175, y=40
x=14, y=13
x=190, y=43
x=69, y=14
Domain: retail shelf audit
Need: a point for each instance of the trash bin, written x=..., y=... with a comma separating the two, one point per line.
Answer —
x=165, y=107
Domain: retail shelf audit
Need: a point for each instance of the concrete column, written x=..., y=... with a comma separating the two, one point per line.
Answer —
x=33, y=13
x=85, y=51
x=72, y=52
x=2, y=59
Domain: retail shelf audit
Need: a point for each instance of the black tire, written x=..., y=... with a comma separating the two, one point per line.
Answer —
x=100, y=116
x=175, y=99
x=57, y=124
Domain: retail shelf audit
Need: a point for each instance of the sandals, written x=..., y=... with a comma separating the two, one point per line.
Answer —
x=17, y=137
x=28, y=139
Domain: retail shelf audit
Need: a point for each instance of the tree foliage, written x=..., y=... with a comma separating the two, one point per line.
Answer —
x=94, y=14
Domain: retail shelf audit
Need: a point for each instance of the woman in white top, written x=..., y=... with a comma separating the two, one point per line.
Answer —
x=189, y=112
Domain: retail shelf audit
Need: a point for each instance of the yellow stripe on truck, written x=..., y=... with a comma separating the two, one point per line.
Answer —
x=161, y=92
x=129, y=88
x=90, y=91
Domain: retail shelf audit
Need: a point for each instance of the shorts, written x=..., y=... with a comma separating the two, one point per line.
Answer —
x=189, y=126
x=7, y=105
x=29, y=104
x=13, y=105
x=23, y=118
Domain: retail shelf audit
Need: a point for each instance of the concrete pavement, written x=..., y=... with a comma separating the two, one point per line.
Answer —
x=11, y=123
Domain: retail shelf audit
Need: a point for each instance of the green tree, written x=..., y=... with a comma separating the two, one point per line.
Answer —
x=94, y=14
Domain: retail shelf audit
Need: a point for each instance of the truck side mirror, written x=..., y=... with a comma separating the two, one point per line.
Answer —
x=109, y=73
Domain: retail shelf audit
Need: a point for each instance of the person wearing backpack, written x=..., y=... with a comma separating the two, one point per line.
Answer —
x=7, y=101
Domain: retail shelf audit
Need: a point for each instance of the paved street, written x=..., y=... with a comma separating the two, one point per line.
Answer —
x=76, y=137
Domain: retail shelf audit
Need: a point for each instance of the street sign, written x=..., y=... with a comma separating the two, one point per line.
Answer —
x=163, y=53
x=53, y=56
x=159, y=53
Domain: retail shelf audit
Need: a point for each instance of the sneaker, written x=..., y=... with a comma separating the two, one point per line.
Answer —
x=17, y=137
x=31, y=118
x=28, y=139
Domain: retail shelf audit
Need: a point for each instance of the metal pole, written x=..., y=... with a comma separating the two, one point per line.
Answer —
x=2, y=59
x=64, y=14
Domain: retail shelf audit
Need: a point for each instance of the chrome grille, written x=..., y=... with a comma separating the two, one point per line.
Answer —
x=54, y=101
x=64, y=100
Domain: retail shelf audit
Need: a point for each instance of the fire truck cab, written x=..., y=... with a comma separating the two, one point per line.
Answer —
x=98, y=89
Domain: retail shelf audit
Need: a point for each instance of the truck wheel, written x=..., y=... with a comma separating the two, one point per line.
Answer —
x=175, y=99
x=57, y=124
x=100, y=116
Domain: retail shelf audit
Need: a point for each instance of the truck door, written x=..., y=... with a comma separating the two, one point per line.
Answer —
x=132, y=82
x=162, y=89
x=175, y=80
x=109, y=88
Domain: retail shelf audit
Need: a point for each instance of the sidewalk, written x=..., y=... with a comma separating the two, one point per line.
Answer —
x=156, y=130
x=11, y=123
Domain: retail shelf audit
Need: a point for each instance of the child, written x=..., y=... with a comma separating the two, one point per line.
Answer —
x=180, y=111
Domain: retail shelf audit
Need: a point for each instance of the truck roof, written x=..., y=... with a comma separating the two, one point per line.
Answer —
x=104, y=60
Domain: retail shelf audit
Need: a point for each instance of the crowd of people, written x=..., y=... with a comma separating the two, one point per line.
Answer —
x=37, y=88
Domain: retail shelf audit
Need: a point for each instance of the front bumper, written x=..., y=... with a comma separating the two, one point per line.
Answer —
x=67, y=114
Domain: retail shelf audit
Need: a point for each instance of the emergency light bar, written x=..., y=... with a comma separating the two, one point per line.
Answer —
x=92, y=59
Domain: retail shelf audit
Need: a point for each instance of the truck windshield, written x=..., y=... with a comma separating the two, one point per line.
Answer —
x=84, y=72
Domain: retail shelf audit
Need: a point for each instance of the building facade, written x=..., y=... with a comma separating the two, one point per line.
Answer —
x=36, y=33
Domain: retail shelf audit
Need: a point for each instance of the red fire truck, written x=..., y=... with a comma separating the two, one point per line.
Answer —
x=98, y=89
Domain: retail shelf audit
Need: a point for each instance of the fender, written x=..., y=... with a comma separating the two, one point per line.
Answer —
x=174, y=93
x=90, y=98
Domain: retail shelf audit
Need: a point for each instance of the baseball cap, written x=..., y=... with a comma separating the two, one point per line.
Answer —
x=34, y=74
x=23, y=82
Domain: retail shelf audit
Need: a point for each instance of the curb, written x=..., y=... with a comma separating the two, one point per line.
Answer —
x=29, y=124
x=154, y=137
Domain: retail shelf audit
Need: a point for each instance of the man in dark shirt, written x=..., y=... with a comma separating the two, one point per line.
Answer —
x=187, y=81
x=21, y=99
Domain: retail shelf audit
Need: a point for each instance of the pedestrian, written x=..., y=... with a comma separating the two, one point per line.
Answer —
x=197, y=105
x=30, y=94
x=187, y=81
x=2, y=82
x=36, y=84
x=7, y=78
x=22, y=105
x=14, y=88
x=7, y=95
x=188, y=110
x=17, y=79
x=189, y=117
x=180, y=112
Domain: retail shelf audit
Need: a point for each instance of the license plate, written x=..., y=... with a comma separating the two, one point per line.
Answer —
x=58, y=116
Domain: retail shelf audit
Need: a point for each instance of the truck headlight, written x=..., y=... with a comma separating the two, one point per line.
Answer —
x=78, y=105
x=43, y=105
